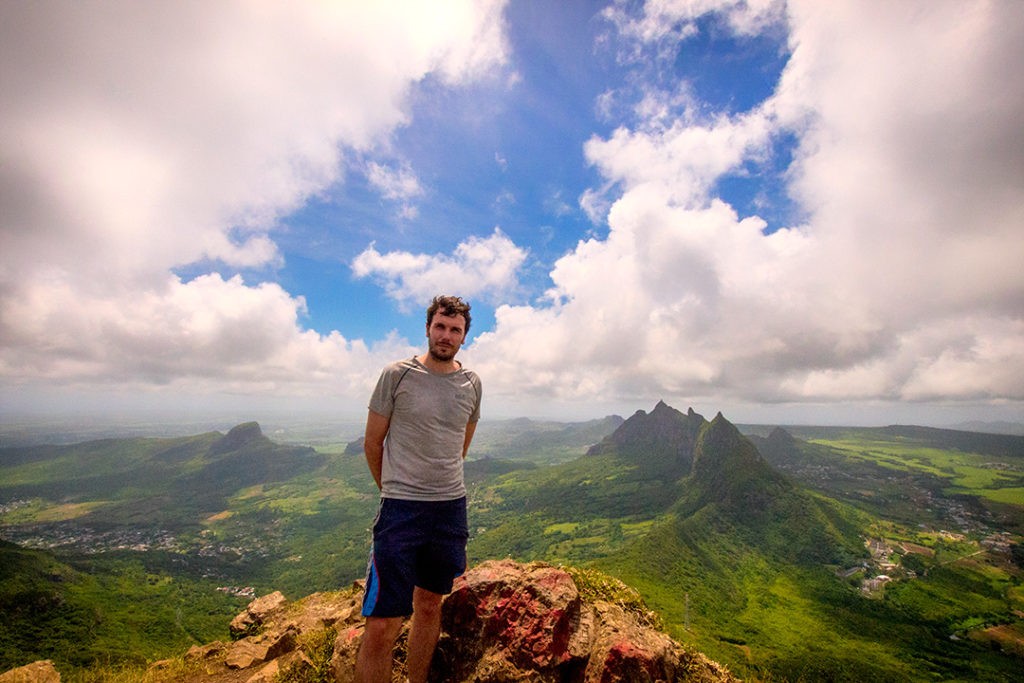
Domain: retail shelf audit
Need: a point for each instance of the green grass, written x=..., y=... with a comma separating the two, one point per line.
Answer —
x=747, y=617
x=562, y=528
x=996, y=479
x=41, y=511
x=594, y=585
x=318, y=646
x=1013, y=495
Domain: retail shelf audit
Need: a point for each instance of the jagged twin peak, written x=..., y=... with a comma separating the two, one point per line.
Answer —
x=668, y=442
x=662, y=441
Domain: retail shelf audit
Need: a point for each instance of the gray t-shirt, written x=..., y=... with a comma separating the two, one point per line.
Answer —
x=429, y=413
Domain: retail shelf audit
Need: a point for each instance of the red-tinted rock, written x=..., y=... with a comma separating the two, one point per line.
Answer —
x=507, y=621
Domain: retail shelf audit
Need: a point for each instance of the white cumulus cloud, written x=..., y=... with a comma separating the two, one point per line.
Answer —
x=485, y=267
x=143, y=137
x=902, y=284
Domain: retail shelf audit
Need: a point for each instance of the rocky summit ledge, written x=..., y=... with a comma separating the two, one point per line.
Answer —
x=504, y=621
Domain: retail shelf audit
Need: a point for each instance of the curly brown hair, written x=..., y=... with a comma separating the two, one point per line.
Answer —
x=449, y=305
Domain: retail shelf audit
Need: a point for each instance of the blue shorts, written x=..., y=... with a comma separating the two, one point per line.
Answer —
x=415, y=543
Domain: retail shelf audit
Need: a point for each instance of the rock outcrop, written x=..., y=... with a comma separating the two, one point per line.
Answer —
x=507, y=621
x=504, y=621
x=36, y=672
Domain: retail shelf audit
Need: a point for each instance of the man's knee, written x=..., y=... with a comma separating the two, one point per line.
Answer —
x=380, y=633
x=426, y=600
x=426, y=603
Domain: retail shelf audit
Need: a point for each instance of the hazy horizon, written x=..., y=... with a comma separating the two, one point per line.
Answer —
x=38, y=428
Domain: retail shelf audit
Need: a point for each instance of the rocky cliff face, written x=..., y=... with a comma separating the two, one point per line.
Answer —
x=504, y=621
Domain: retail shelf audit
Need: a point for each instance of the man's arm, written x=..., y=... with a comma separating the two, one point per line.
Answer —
x=470, y=430
x=373, y=444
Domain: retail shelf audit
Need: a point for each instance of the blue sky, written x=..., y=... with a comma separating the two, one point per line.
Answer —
x=763, y=208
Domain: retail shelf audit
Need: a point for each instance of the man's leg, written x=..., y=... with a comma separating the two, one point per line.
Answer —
x=423, y=635
x=373, y=662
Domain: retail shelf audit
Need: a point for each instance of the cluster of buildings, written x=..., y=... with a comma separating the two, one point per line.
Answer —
x=886, y=557
x=238, y=591
x=88, y=540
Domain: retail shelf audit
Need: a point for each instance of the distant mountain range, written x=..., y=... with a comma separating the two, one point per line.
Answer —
x=154, y=481
x=758, y=550
x=829, y=553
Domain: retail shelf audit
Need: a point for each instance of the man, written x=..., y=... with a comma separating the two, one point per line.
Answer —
x=421, y=420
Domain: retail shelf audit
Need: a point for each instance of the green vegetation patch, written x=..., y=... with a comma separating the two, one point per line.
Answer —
x=113, y=612
x=767, y=581
x=999, y=479
x=594, y=585
x=318, y=646
x=40, y=511
x=1006, y=496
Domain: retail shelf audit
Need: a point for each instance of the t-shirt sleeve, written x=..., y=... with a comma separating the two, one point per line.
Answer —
x=382, y=401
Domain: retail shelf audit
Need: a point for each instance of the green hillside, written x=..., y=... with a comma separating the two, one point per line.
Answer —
x=147, y=481
x=799, y=554
x=756, y=568
x=971, y=482
x=80, y=613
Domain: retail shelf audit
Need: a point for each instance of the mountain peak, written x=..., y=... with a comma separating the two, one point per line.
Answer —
x=780, y=448
x=246, y=430
x=239, y=436
x=779, y=437
x=728, y=469
x=661, y=441
x=722, y=447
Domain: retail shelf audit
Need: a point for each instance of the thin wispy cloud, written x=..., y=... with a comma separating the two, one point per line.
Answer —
x=394, y=183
